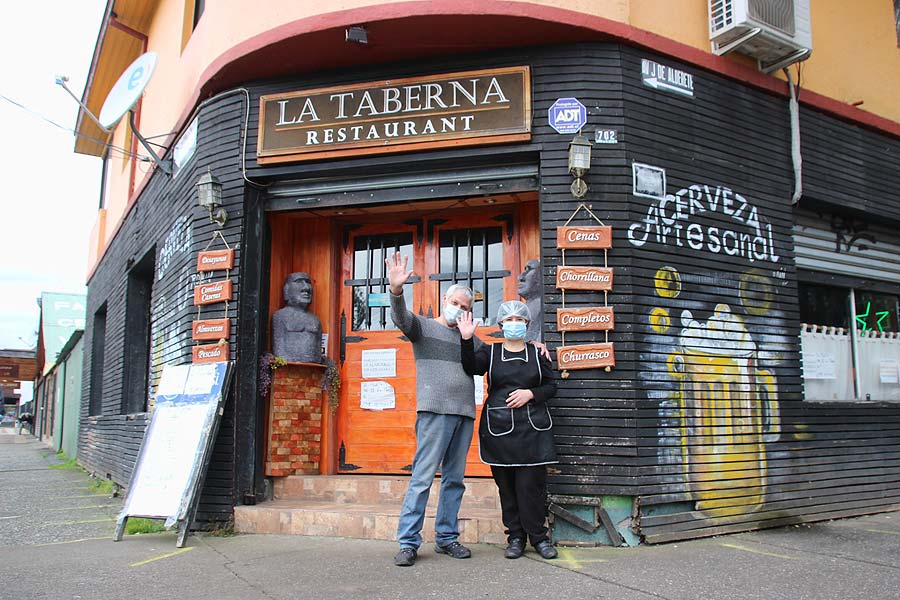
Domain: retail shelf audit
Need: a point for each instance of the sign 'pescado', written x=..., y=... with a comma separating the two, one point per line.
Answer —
x=474, y=107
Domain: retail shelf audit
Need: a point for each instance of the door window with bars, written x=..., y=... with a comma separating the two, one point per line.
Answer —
x=474, y=257
x=371, y=301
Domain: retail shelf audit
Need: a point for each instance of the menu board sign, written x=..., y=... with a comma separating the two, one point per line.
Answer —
x=592, y=318
x=586, y=238
x=215, y=260
x=585, y=356
x=211, y=329
x=210, y=293
x=584, y=278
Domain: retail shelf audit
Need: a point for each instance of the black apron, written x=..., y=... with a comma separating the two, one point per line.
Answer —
x=514, y=437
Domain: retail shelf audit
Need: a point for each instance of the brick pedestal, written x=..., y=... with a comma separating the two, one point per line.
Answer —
x=295, y=420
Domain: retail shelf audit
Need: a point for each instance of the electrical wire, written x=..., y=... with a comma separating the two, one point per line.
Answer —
x=122, y=152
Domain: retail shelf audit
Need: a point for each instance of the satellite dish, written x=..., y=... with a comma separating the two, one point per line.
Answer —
x=128, y=89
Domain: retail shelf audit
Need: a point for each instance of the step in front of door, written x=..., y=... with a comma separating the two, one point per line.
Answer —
x=358, y=521
x=376, y=489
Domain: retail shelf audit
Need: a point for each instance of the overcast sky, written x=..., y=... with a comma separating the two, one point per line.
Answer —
x=50, y=195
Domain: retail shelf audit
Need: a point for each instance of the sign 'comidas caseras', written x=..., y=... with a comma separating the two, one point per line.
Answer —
x=474, y=107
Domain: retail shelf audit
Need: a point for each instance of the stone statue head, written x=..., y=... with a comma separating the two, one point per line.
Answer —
x=298, y=290
x=530, y=280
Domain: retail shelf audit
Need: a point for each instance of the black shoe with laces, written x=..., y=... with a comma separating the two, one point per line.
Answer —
x=515, y=549
x=454, y=549
x=545, y=549
x=406, y=557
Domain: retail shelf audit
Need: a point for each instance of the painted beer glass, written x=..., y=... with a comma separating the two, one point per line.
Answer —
x=729, y=410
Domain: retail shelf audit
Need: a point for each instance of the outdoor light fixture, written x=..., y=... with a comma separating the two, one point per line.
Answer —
x=209, y=196
x=579, y=164
x=357, y=34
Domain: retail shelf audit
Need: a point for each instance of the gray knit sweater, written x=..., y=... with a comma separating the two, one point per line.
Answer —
x=441, y=384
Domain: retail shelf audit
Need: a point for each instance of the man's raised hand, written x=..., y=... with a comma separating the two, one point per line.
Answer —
x=466, y=325
x=397, y=273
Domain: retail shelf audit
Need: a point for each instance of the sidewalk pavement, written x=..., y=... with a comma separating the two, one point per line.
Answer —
x=56, y=543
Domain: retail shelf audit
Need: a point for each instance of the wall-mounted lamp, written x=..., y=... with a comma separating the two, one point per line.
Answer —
x=579, y=164
x=356, y=33
x=209, y=196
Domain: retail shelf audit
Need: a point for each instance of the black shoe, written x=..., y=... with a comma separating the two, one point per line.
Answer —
x=454, y=549
x=545, y=549
x=515, y=549
x=406, y=557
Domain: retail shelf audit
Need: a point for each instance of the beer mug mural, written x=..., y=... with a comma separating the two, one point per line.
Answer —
x=729, y=410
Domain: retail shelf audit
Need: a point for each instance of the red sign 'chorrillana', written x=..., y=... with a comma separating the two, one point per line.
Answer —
x=584, y=278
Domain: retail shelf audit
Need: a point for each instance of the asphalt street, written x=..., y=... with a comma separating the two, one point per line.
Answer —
x=56, y=543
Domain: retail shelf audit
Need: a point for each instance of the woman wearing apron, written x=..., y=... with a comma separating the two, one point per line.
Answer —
x=514, y=434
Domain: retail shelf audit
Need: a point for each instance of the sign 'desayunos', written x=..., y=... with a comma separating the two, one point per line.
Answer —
x=475, y=107
x=215, y=260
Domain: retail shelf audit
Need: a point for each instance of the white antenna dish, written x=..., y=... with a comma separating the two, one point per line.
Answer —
x=128, y=89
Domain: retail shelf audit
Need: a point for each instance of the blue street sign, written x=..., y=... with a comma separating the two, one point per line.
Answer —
x=567, y=115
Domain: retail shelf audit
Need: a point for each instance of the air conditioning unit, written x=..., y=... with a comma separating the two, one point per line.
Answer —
x=775, y=32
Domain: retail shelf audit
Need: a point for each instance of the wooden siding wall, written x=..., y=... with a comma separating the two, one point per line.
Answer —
x=167, y=217
x=726, y=443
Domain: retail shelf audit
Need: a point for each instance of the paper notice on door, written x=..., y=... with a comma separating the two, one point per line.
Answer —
x=479, y=389
x=379, y=363
x=889, y=371
x=819, y=365
x=376, y=395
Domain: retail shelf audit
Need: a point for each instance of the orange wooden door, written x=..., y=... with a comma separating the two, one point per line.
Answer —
x=377, y=411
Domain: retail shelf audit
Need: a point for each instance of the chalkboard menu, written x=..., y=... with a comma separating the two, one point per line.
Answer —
x=175, y=451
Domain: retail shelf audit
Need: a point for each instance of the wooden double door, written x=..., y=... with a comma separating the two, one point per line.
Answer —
x=377, y=411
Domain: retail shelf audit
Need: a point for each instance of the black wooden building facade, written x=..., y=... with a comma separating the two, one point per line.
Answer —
x=701, y=428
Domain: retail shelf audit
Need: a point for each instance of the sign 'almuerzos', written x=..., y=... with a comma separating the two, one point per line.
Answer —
x=474, y=107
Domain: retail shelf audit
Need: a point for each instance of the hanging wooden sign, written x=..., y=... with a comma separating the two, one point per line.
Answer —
x=210, y=353
x=215, y=260
x=211, y=329
x=210, y=293
x=592, y=318
x=584, y=278
x=585, y=356
x=587, y=238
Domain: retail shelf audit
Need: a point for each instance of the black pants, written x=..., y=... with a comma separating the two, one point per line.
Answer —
x=522, y=499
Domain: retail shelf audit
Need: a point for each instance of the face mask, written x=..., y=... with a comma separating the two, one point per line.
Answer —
x=452, y=313
x=514, y=330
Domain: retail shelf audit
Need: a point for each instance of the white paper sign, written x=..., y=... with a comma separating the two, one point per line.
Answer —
x=172, y=381
x=819, y=365
x=379, y=363
x=889, y=370
x=376, y=395
x=201, y=380
x=479, y=389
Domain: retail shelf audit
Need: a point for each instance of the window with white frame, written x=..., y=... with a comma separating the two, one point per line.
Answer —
x=850, y=343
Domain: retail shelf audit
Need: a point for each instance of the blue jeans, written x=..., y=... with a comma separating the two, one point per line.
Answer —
x=441, y=441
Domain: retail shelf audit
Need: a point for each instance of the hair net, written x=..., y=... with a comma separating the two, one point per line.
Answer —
x=513, y=308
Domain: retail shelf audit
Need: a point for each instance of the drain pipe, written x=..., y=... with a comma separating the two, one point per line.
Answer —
x=795, y=139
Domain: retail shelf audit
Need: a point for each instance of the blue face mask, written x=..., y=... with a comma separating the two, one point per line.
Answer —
x=514, y=330
x=452, y=313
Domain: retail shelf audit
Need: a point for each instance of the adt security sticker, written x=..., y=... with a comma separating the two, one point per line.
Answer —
x=567, y=115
